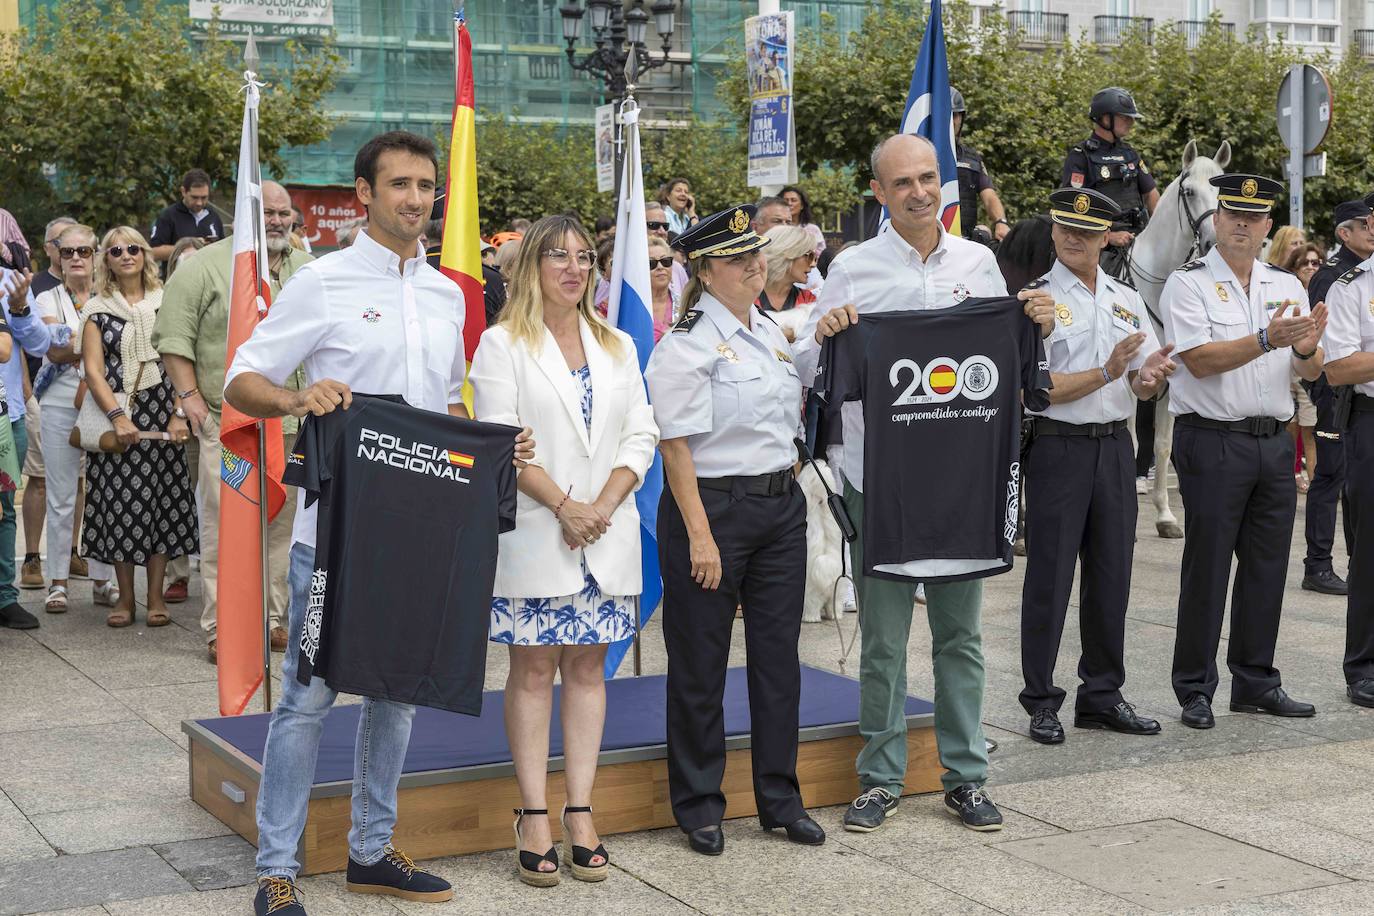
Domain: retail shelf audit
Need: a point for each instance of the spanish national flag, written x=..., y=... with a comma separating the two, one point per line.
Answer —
x=460, y=459
x=460, y=258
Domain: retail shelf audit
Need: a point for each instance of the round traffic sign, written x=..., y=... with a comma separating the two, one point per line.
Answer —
x=1316, y=108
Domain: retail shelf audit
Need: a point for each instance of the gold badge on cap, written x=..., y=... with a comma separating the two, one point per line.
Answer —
x=739, y=222
x=1222, y=294
x=724, y=350
x=1248, y=187
x=1081, y=203
x=1063, y=313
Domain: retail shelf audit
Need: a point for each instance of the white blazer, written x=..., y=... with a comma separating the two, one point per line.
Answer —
x=513, y=385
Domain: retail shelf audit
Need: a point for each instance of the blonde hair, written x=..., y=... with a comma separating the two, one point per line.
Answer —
x=105, y=283
x=696, y=286
x=787, y=244
x=189, y=243
x=656, y=241
x=523, y=315
x=1282, y=241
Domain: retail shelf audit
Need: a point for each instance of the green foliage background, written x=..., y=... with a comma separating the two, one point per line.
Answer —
x=119, y=99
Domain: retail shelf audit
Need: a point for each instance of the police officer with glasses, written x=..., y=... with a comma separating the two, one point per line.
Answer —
x=1081, y=466
x=1239, y=326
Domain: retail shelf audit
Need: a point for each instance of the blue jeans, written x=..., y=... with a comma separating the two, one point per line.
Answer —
x=9, y=522
x=293, y=743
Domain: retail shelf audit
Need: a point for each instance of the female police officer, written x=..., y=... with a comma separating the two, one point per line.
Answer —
x=731, y=530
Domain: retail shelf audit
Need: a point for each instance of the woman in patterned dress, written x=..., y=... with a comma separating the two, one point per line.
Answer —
x=568, y=576
x=140, y=510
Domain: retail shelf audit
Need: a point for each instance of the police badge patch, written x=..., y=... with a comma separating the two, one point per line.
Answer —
x=314, y=614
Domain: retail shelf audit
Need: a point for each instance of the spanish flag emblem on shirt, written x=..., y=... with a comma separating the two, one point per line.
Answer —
x=460, y=459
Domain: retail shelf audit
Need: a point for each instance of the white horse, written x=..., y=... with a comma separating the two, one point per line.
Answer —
x=1179, y=229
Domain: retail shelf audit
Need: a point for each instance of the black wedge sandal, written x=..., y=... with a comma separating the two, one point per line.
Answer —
x=582, y=867
x=528, y=862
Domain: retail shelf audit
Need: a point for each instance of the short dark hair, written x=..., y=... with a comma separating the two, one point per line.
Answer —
x=365, y=163
x=805, y=203
x=770, y=202
x=605, y=222
x=195, y=178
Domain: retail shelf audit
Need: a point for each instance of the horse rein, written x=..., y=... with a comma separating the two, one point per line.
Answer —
x=1185, y=220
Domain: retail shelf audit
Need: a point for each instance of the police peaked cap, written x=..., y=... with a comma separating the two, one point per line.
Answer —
x=1247, y=193
x=721, y=235
x=1083, y=209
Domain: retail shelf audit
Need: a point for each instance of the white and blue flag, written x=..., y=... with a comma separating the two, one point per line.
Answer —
x=930, y=113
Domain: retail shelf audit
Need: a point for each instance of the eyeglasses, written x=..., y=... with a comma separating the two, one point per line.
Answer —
x=654, y=225
x=83, y=251
x=1311, y=262
x=810, y=256
x=560, y=258
x=117, y=251
x=665, y=263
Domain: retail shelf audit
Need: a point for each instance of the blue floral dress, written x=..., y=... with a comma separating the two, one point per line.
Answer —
x=588, y=617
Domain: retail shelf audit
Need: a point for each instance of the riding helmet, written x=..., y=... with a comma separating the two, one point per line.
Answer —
x=1113, y=100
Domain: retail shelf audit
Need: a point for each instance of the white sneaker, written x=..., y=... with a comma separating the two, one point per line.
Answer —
x=1142, y=486
x=107, y=594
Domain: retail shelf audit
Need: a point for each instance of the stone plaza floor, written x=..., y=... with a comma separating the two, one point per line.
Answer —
x=1257, y=816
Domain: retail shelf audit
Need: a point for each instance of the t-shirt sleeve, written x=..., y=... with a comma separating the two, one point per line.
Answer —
x=839, y=373
x=679, y=380
x=308, y=464
x=164, y=230
x=1075, y=163
x=1186, y=323
x=1342, y=337
x=505, y=482
x=1035, y=368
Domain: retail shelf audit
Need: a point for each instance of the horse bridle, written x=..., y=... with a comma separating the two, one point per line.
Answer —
x=1185, y=218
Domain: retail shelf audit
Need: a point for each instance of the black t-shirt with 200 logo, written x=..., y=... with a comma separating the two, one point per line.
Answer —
x=942, y=396
x=411, y=503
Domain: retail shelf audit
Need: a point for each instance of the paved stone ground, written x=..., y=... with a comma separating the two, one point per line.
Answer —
x=1257, y=816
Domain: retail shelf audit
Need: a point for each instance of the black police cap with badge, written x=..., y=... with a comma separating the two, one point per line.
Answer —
x=1246, y=193
x=721, y=235
x=1351, y=209
x=1083, y=208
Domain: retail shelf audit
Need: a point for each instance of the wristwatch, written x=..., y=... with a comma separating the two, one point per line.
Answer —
x=179, y=413
x=1003, y=221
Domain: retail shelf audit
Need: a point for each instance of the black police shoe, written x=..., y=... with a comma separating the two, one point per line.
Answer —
x=395, y=875
x=1197, y=712
x=806, y=832
x=1326, y=582
x=867, y=812
x=971, y=805
x=709, y=840
x=1045, y=727
x=1275, y=702
x=16, y=618
x=1120, y=718
x=1361, y=692
x=277, y=896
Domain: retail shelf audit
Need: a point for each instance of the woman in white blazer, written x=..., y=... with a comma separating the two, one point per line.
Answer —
x=568, y=577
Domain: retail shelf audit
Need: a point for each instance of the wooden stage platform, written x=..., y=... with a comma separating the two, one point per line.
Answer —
x=458, y=786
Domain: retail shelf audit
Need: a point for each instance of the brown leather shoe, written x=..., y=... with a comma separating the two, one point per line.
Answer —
x=279, y=639
x=79, y=568
x=31, y=574
x=212, y=653
x=176, y=592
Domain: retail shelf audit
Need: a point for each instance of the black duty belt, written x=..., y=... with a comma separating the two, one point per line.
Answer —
x=1254, y=426
x=775, y=484
x=1044, y=426
x=1362, y=403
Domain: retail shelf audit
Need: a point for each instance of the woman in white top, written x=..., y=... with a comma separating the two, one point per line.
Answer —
x=55, y=389
x=568, y=576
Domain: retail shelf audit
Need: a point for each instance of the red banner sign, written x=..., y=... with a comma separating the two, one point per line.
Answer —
x=327, y=210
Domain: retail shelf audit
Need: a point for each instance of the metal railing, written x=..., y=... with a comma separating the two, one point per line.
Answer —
x=1192, y=30
x=1112, y=30
x=1033, y=27
x=1364, y=42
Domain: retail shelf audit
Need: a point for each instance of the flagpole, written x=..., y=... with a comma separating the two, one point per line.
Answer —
x=266, y=570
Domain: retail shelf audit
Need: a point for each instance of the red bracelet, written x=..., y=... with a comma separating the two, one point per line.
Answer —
x=559, y=508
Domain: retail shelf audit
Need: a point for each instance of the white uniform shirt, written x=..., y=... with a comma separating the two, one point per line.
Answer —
x=355, y=317
x=1086, y=328
x=1206, y=304
x=732, y=391
x=885, y=274
x=1350, y=322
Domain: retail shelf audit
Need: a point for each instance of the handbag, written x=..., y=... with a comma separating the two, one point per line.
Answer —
x=94, y=431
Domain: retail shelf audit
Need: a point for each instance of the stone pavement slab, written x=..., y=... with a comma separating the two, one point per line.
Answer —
x=211, y=864
x=165, y=708
x=1349, y=899
x=18, y=838
x=74, y=881
x=1164, y=865
x=921, y=826
x=142, y=823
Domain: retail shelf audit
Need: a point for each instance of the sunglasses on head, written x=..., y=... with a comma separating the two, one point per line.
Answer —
x=82, y=251
x=117, y=251
x=665, y=263
x=654, y=224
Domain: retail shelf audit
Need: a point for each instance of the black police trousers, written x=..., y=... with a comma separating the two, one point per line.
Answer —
x=1326, y=491
x=1084, y=510
x=1239, y=499
x=1359, y=512
x=762, y=543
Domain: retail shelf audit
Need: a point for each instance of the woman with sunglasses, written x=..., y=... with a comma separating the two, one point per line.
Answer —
x=789, y=257
x=661, y=286
x=55, y=388
x=731, y=531
x=569, y=576
x=139, y=509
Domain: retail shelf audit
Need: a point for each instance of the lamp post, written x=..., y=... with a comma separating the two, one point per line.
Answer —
x=620, y=52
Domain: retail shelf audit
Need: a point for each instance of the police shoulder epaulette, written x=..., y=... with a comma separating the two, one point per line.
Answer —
x=1333, y=261
x=1283, y=269
x=687, y=321
x=1037, y=283
x=1193, y=265
x=1349, y=276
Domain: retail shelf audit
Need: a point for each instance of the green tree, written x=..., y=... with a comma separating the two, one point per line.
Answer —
x=117, y=103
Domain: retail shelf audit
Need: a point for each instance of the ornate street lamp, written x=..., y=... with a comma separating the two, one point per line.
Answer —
x=621, y=52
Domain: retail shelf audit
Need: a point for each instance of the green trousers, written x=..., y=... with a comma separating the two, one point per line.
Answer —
x=885, y=612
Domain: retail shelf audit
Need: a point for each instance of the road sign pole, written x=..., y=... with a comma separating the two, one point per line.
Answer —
x=1296, y=148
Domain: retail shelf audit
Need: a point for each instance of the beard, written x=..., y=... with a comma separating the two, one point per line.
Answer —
x=278, y=244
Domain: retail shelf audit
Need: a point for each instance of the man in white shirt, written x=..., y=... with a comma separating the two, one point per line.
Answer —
x=1103, y=356
x=1241, y=327
x=1349, y=345
x=913, y=263
x=376, y=318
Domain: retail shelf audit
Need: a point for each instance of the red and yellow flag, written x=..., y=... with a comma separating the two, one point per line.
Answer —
x=460, y=258
x=240, y=590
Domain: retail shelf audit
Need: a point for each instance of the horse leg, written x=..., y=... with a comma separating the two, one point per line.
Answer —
x=1165, y=523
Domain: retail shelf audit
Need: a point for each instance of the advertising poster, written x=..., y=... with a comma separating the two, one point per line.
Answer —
x=605, y=148
x=769, y=61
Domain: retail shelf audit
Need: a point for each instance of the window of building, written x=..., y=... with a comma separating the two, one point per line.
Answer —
x=1300, y=21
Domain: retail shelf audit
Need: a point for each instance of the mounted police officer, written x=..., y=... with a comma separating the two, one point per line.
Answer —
x=975, y=184
x=1106, y=163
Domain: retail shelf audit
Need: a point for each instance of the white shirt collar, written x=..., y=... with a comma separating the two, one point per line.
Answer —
x=907, y=252
x=384, y=259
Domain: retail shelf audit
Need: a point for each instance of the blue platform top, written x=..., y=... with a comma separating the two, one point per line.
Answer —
x=635, y=717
